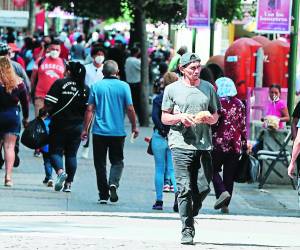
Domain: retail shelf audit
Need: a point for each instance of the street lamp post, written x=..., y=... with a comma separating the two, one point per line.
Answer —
x=212, y=26
x=293, y=56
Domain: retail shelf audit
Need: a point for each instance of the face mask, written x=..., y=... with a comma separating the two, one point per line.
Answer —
x=275, y=98
x=54, y=54
x=99, y=59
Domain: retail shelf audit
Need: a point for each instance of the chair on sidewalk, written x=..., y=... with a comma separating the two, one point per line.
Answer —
x=273, y=157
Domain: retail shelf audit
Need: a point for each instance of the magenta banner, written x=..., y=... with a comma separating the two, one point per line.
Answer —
x=274, y=16
x=198, y=13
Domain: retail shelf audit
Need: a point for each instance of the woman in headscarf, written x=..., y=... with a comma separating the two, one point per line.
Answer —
x=12, y=91
x=66, y=103
x=229, y=140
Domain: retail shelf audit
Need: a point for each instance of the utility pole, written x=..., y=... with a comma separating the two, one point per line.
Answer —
x=293, y=56
x=194, y=34
x=213, y=16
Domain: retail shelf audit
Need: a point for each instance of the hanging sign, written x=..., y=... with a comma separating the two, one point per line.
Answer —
x=274, y=16
x=198, y=13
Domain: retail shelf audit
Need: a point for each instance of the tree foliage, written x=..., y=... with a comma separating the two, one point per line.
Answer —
x=171, y=11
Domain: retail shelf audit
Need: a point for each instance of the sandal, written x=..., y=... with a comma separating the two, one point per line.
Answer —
x=8, y=182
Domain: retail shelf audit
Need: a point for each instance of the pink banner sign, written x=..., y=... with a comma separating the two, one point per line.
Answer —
x=274, y=16
x=198, y=13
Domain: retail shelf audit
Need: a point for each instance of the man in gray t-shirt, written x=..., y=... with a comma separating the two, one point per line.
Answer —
x=190, y=106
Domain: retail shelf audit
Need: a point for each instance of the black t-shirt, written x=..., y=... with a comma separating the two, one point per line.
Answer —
x=296, y=112
x=66, y=103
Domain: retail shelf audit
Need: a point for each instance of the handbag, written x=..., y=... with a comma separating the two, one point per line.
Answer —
x=248, y=169
x=149, y=149
x=35, y=134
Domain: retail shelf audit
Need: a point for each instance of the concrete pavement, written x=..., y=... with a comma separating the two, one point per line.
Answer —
x=36, y=217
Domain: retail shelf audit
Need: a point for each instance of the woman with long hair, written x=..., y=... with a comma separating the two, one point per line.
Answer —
x=66, y=103
x=12, y=91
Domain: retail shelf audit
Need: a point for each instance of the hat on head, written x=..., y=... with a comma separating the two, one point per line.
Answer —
x=13, y=47
x=226, y=87
x=188, y=58
x=4, y=49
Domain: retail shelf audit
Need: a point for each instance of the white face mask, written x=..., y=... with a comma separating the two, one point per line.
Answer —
x=54, y=54
x=99, y=59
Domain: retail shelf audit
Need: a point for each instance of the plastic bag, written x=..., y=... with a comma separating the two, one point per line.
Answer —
x=35, y=134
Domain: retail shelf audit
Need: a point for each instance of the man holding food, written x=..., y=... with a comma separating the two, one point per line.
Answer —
x=190, y=105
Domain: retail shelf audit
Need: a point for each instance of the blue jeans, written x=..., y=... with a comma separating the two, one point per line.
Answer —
x=65, y=142
x=163, y=162
x=47, y=165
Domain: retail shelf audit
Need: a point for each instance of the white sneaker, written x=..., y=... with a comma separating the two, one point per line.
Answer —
x=85, y=153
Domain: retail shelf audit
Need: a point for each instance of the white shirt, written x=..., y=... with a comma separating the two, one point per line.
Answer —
x=133, y=70
x=93, y=74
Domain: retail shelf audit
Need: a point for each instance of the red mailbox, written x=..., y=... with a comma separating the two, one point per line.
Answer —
x=240, y=64
x=276, y=63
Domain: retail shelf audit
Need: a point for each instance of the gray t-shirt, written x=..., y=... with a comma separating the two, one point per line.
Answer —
x=181, y=98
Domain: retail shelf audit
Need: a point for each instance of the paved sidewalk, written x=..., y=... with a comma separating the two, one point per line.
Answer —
x=144, y=231
x=34, y=216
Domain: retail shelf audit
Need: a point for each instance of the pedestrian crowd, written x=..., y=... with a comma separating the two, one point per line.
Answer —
x=81, y=87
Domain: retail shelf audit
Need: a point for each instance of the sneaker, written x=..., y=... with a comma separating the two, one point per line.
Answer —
x=60, y=181
x=222, y=200
x=50, y=183
x=224, y=210
x=113, y=193
x=166, y=188
x=85, y=153
x=102, y=201
x=158, y=205
x=67, y=187
x=172, y=188
x=45, y=181
x=187, y=236
x=37, y=153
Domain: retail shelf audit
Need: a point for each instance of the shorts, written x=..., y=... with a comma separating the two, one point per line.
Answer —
x=10, y=121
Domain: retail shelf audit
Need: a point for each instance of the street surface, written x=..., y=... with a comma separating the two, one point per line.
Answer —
x=34, y=216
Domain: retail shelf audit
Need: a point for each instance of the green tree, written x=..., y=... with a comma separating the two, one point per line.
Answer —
x=170, y=11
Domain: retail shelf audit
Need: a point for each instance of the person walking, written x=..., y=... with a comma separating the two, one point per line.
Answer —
x=93, y=74
x=133, y=78
x=229, y=140
x=12, y=91
x=5, y=51
x=161, y=151
x=190, y=106
x=109, y=100
x=65, y=103
x=46, y=71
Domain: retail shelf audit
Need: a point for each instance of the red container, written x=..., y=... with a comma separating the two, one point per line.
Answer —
x=240, y=64
x=276, y=63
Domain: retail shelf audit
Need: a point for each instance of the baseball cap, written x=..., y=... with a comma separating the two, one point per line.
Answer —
x=188, y=58
x=4, y=49
x=13, y=47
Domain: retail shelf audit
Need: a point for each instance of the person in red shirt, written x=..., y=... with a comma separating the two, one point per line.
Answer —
x=45, y=72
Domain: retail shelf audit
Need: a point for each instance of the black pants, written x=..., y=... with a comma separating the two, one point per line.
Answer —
x=229, y=161
x=115, y=146
x=136, y=89
x=193, y=172
x=65, y=142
